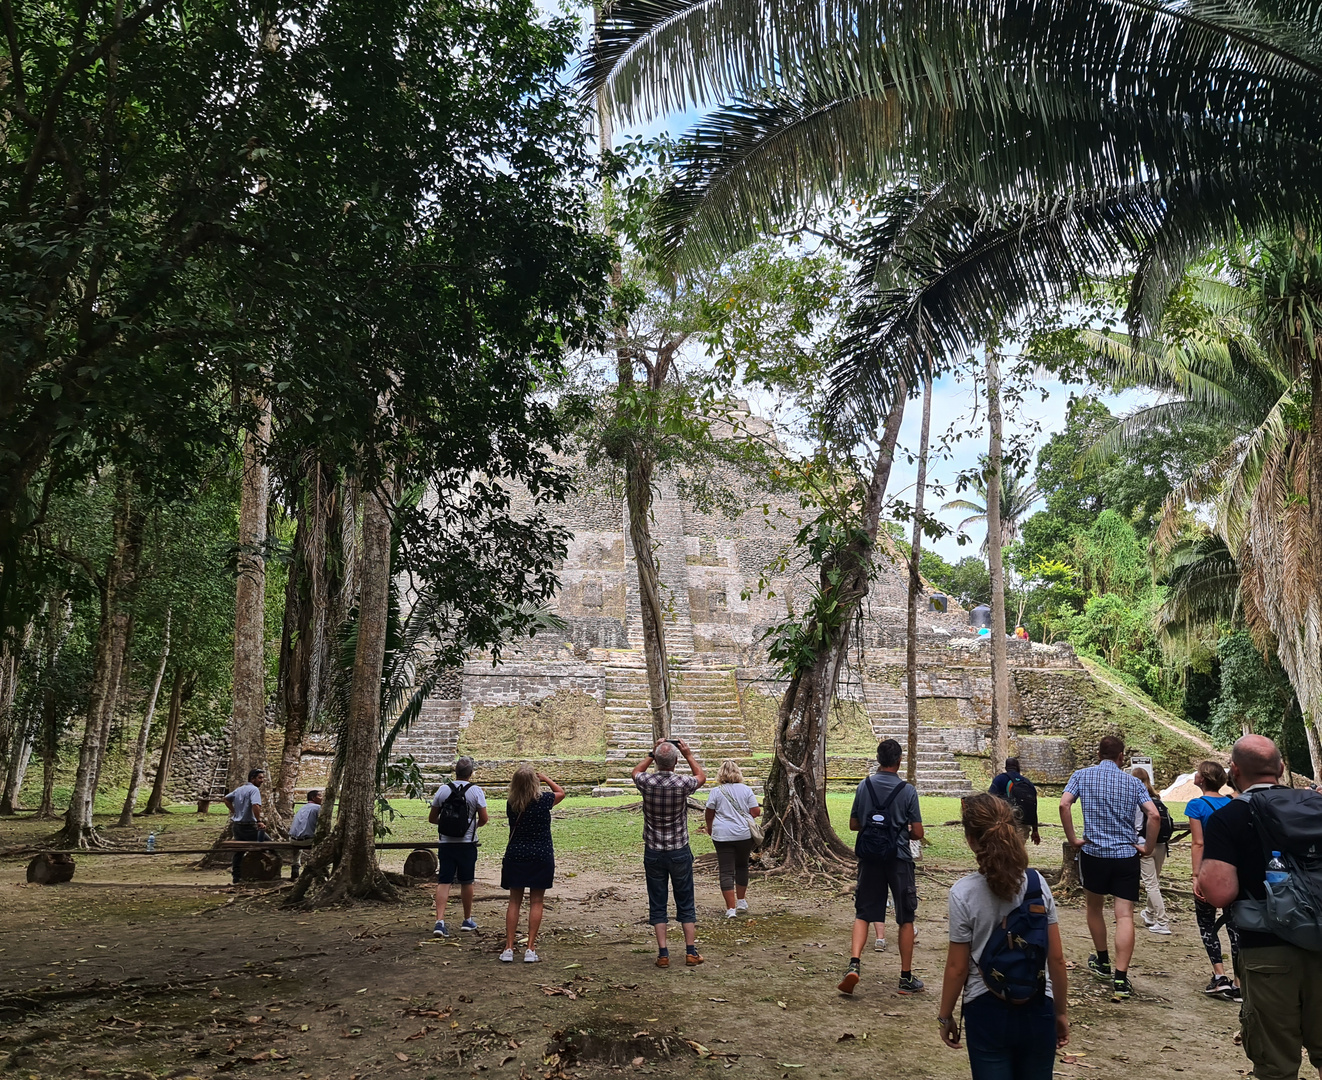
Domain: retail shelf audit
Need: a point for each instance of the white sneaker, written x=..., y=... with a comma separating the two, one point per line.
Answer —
x=730, y=913
x=530, y=957
x=741, y=905
x=507, y=957
x=1146, y=916
x=1159, y=928
x=879, y=945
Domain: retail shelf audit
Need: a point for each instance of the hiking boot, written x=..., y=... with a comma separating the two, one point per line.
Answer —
x=692, y=959
x=1120, y=988
x=911, y=984
x=879, y=945
x=439, y=929
x=468, y=924
x=507, y=957
x=1099, y=970
x=847, y=984
x=663, y=961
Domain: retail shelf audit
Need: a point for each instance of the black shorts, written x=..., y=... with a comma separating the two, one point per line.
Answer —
x=875, y=879
x=1111, y=877
x=456, y=863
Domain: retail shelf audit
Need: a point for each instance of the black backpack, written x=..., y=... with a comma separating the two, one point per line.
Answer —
x=1022, y=795
x=1288, y=821
x=879, y=841
x=455, y=815
x=1167, y=827
x=1014, y=962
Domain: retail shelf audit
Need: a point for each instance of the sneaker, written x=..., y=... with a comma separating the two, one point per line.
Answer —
x=741, y=905
x=1159, y=928
x=1234, y=994
x=1120, y=988
x=847, y=984
x=468, y=924
x=1147, y=918
x=731, y=913
x=692, y=959
x=911, y=985
x=1217, y=984
x=1099, y=970
x=439, y=929
x=530, y=957
x=879, y=945
x=507, y=957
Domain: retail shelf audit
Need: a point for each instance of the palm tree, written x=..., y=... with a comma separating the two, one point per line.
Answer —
x=1017, y=498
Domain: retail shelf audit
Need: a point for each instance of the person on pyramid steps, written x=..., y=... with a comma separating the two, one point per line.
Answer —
x=1262, y=853
x=458, y=810
x=1016, y=789
x=886, y=817
x=1110, y=858
x=1005, y=956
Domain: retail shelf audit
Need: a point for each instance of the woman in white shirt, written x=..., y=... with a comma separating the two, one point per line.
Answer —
x=1006, y=1040
x=729, y=807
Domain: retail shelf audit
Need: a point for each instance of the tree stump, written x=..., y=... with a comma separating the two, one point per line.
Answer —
x=1069, y=868
x=50, y=869
x=204, y=806
x=420, y=864
x=260, y=866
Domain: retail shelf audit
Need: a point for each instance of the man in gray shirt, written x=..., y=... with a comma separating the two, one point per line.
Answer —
x=883, y=800
x=456, y=855
x=303, y=827
x=245, y=806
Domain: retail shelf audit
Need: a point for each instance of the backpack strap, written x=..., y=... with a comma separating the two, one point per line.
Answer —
x=1034, y=880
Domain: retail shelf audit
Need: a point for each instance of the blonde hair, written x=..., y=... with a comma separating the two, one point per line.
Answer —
x=993, y=836
x=1142, y=774
x=729, y=772
x=525, y=789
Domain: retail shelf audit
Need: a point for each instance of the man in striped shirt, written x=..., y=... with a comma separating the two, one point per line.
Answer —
x=1109, y=857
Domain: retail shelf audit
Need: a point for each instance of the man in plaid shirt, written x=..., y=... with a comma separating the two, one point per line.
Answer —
x=1110, y=852
x=667, y=859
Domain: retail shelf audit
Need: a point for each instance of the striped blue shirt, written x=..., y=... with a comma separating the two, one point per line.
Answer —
x=1110, y=798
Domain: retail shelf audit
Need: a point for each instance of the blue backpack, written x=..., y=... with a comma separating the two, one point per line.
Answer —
x=1014, y=962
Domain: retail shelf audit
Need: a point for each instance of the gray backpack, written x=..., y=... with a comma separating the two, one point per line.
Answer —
x=1288, y=821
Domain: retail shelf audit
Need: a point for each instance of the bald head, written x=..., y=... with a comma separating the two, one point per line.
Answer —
x=1255, y=760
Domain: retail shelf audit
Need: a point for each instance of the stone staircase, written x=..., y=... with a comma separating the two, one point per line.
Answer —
x=433, y=738
x=939, y=772
x=705, y=710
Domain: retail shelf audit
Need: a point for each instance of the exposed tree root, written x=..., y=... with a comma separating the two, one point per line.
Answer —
x=86, y=838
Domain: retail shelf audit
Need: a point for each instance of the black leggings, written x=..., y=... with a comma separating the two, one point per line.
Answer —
x=732, y=862
x=1206, y=915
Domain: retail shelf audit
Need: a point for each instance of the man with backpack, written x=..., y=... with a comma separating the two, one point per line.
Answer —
x=458, y=810
x=1270, y=838
x=1016, y=789
x=1110, y=856
x=886, y=817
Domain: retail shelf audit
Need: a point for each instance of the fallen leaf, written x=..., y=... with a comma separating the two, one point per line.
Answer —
x=568, y=966
x=215, y=993
x=302, y=1027
x=401, y=1057
x=782, y=1005
x=507, y=1059
x=417, y=1034
x=697, y=1048
x=350, y=1033
x=846, y=1037
x=637, y=1063
x=362, y=991
x=721, y=1000
x=787, y=1065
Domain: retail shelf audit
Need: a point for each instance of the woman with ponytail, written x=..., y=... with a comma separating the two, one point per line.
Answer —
x=1008, y=1038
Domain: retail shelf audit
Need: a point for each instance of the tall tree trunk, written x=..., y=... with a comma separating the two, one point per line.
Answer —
x=20, y=754
x=351, y=845
x=1000, y=738
x=19, y=729
x=302, y=640
x=798, y=827
x=50, y=721
x=248, y=725
x=122, y=643
x=114, y=586
x=144, y=733
x=916, y=585
x=156, y=800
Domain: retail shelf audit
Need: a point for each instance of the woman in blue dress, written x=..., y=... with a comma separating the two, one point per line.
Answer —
x=529, y=856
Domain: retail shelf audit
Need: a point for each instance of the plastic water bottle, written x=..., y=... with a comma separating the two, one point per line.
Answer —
x=151, y=840
x=1276, y=871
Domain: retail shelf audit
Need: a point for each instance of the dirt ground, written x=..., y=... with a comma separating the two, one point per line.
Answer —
x=116, y=975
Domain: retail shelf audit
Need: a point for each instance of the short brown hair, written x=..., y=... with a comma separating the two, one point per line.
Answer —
x=1213, y=775
x=1111, y=748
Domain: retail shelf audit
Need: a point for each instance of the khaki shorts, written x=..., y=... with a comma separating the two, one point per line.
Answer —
x=1282, y=1005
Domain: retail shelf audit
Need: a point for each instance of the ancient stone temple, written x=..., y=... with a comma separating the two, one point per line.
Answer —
x=578, y=698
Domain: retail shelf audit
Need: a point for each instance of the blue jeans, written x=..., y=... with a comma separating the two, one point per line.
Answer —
x=673, y=868
x=1010, y=1042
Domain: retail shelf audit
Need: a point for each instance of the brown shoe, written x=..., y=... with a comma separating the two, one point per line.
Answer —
x=663, y=961
x=692, y=959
